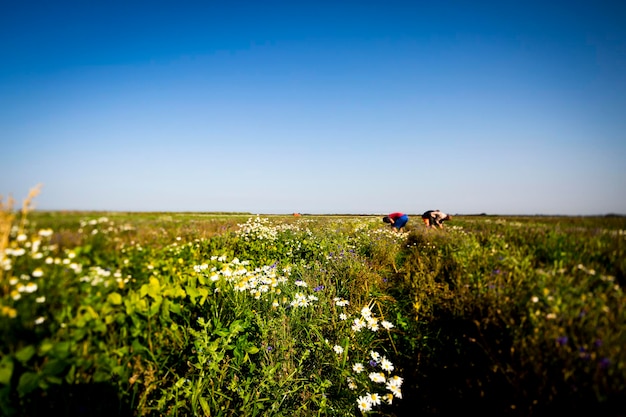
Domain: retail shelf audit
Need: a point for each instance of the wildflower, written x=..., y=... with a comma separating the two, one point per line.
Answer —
x=366, y=312
x=535, y=299
x=301, y=283
x=604, y=363
x=562, y=340
x=358, y=324
x=351, y=384
x=387, y=325
x=364, y=403
x=377, y=377
x=358, y=368
x=16, y=252
x=388, y=398
x=342, y=316
x=372, y=325
x=300, y=300
x=338, y=349
x=395, y=381
x=21, y=237
x=340, y=302
x=41, y=299
x=318, y=288
x=37, y=273
x=40, y=320
x=375, y=355
x=386, y=365
x=394, y=389
x=374, y=398
x=45, y=232
x=10, y=312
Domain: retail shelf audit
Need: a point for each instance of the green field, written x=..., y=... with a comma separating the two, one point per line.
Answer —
x=185, y=314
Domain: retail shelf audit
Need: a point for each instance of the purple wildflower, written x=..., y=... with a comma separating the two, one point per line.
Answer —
x=604, y=363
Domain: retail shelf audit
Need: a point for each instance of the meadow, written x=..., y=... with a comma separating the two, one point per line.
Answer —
x=233, y=314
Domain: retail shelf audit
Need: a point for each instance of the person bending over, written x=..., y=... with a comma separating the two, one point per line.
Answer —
x=435, y=218
x=396, y=220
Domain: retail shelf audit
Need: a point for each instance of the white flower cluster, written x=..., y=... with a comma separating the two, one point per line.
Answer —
x=20, y=245
x=370, y=321
x=392, y=383
x=257, y=228
x=256, y=282
x=302, y=300
x=97, y=275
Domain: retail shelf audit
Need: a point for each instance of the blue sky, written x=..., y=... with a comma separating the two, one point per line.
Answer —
x=501, y=107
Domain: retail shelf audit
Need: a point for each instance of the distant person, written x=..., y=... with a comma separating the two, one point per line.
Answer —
x=396, y=220
x=435, y=218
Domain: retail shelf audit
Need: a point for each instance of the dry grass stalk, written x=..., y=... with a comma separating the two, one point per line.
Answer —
x=7, y=217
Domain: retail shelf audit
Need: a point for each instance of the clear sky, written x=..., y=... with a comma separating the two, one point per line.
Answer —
x=498, y=107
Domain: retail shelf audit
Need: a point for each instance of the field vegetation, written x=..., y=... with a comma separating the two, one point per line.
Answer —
x=222, y=314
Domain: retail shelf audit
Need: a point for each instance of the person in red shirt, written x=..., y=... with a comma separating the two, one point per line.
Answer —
x=397, y=220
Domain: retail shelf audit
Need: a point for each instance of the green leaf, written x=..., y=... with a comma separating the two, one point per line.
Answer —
x=236, y=327
x=153, y=289
x=28, y=382
x=23, y=355
x=175, y=292
x=192, y=293
x=252, y=349
x=44, y=347
x=54, y=380
x=175, y=308
x=61, y=350
x=114, y=298
x=54, y=367
x=6, y=370
x=138, y=347
x=101, y=376
x=71, y=375
x=205, y=406
x=204, y=293
x=118, y=370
